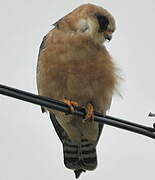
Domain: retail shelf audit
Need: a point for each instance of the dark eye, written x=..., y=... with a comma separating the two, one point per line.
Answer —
x=103, y=22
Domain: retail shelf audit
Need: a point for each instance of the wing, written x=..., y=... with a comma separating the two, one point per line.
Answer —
x=42, y=45
x=59, y=130
x=41, y=48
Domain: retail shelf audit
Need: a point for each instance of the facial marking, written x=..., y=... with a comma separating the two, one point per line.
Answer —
x=83, y=25
x=102, y=21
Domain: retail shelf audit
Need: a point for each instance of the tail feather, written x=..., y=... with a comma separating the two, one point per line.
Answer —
x=79, y=156
x=78, y=172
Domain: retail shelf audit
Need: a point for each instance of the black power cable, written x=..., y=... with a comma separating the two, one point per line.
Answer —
x=60, y=106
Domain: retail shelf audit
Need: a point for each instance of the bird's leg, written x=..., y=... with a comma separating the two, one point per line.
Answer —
x=89, y=113
x=71, y=104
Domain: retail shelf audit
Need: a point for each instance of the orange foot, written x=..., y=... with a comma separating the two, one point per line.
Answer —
x=71, y=104
x=89, y=113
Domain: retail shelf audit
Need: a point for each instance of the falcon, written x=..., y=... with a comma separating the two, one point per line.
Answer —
x=75, y=67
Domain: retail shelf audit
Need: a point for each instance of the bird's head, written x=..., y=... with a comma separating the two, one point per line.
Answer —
x=96, y=22
x=90, y=21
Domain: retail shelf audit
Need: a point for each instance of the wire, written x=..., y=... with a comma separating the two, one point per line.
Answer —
x=60, y=106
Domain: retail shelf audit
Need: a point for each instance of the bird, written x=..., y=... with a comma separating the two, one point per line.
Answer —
x=75, y=67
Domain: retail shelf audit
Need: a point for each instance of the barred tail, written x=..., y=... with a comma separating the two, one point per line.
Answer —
x=79, y=157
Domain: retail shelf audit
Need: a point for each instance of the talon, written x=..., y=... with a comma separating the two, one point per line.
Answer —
x=71, y=104
x=89, y=113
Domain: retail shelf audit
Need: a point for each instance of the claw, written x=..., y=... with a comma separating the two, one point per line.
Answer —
x=71, y=104
x=89, y=113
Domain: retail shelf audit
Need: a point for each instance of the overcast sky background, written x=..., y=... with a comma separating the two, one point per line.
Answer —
x=29, y=147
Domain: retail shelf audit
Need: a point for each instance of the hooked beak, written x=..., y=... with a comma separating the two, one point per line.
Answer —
x=108, y=37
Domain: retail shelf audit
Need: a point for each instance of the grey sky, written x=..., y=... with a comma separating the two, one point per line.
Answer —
x=29, y=147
